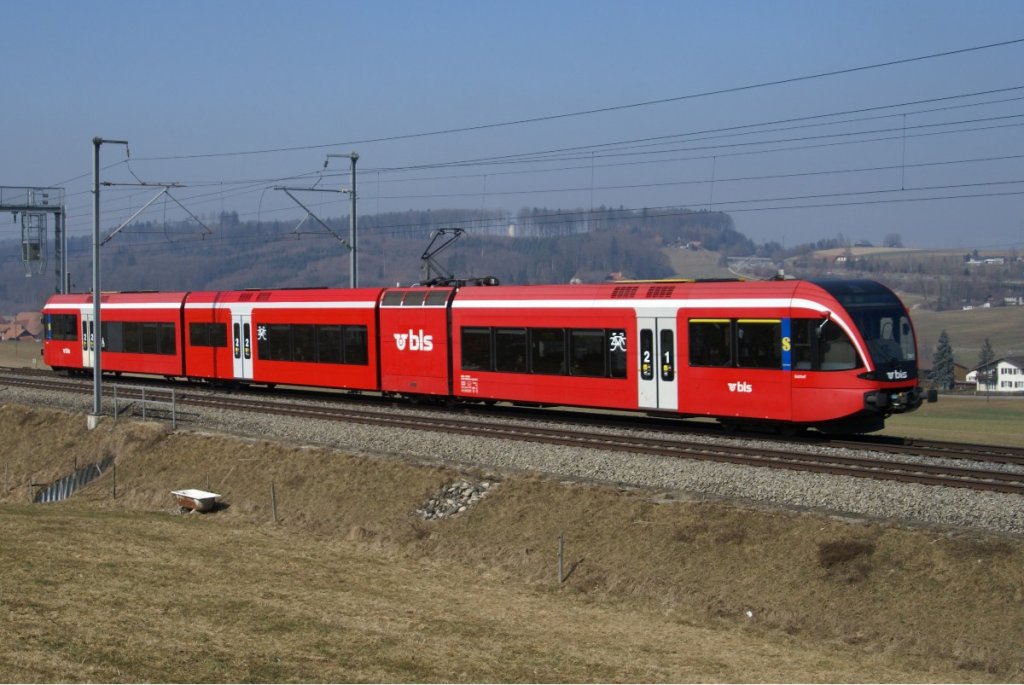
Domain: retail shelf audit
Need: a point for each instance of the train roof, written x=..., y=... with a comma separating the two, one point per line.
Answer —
x=635, y=290
x=858, y=292
x=139, y=297
x=299, y=295
x=847, y=292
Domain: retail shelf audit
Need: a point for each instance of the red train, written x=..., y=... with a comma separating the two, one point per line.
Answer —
x=836, y=355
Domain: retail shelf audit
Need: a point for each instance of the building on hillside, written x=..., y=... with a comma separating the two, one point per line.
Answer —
x=25, y=326
x=1002, y=375
x=960, y=373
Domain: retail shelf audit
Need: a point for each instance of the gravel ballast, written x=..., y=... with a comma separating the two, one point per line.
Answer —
x=682, y=478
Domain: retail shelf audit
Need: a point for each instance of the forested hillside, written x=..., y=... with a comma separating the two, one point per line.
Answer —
x=551, y=246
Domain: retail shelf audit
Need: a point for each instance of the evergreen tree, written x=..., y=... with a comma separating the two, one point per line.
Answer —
x=942, y=363
x=986, y=357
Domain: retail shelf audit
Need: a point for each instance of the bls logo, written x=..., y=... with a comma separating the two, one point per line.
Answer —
x=742, y=386
x=416, y=342
x=897, y=375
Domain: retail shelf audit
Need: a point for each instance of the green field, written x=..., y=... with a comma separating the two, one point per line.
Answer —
x=967, y=330
x=979, y=419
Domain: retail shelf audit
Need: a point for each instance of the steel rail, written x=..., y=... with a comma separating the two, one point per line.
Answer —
x=678, y=447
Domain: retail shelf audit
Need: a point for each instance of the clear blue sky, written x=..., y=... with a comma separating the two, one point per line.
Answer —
x=182, y=79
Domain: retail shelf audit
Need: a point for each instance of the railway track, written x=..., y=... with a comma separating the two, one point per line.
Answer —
x=918, y=463
x=947, y=450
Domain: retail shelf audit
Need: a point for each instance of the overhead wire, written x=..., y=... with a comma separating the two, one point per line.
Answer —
x=657, y=212
x=732, y=205
x=252, y=187
x=736, y=129
x=618, y=153
x=741, y=127
x=602, y=110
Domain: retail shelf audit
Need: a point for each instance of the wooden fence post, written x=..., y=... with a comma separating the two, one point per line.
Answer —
x=561, y=557
x=273, y=500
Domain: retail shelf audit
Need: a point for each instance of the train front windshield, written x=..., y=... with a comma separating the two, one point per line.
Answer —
x=889, y=337
x=883, y=323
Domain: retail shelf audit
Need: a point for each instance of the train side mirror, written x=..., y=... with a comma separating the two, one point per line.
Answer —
x=933, y=395
x=821, y=326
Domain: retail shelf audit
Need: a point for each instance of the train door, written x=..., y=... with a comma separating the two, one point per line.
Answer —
x=88, y=340
x=657, y=379
x=241, y=345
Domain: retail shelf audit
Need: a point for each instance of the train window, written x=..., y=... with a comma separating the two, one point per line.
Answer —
x=907, y=345
x=510, y=350
x=303, y=343
x=138, y=337
x=616, y=346
x=586, y=353
x=414, y=298
x=112, y=336
x=277, y=343
x=218, y=335
x=646, y=354
x=802, y=335
x=328, y=345
x=198, y=335
x=356, y=344
x=887, y=334
x=168, y=338
x=436, y=298
x=547, y=350
x=150, y=338
x=668, y=355
x=157, y=338
x=392, y=298
x=835, y=351
x=132, y=338
x=476, y=349
x=61, y=327
x=710, y=342
x=759, y=343
x=207, y=335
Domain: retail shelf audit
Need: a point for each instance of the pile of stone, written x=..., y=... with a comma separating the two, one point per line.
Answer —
x=454, y=499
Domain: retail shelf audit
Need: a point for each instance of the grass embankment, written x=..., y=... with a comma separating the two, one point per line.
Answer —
x=350, y=586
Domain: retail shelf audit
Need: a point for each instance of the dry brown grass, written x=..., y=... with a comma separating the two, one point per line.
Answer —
x=696, y=264
x=349, y=586
x=21, y=354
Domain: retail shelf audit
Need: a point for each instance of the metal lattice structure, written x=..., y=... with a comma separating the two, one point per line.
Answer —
x=35, y=205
